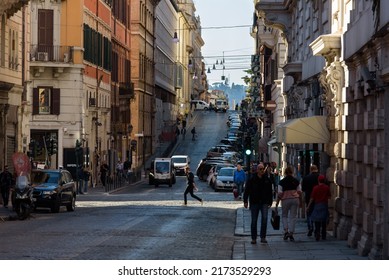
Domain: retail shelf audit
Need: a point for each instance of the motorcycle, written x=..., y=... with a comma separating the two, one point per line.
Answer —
x=23, y=200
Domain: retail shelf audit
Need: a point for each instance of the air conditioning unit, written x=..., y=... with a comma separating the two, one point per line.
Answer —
x=43, y=56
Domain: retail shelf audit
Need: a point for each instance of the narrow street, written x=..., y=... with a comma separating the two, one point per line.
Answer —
x=138, y=222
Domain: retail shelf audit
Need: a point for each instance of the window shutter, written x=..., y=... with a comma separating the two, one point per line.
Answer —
x=35, y=101
x=55, y=101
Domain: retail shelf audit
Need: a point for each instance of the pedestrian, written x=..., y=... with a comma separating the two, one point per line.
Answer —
x=307, y=184
x=86, y=177
x=319, y=202
x=177, y=132
x=259, y=194
x=127, y=169
x=80, y=179
x=191, y=186
x=6, y=181
x=104, y=168
x=193, y=131
x=183, y=129
x=239, y=179
x=289, y=192
x=119, y=169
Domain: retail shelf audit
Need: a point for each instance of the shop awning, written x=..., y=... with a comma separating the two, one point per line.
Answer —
x=303, y=131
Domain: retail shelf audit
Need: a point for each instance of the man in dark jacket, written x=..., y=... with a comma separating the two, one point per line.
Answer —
x=259, y=193
x=307, y=185
x=191, y=186
x=6, y=181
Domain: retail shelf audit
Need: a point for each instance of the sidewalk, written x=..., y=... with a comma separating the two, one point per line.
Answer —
x=303, y=248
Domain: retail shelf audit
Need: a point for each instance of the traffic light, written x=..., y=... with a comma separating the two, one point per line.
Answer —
x=134, y=143
x=78, y=152
x=247, y=145
x=53, y=146
x=32, y=149
x=38, y=148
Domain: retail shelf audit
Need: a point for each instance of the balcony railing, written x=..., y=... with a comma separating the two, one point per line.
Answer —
x=46, y=53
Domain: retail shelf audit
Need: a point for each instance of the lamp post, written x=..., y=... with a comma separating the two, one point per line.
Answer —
x=96, y=123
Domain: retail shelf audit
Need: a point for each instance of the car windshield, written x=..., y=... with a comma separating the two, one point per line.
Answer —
x=179, y=160
x=41, y=177
x=226, y=172
x=162, y=167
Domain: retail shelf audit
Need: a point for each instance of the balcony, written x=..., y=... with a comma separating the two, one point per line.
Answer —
x=293, y=69
x=126, y=90
x=58, y=54
x=275, y=13
x=11, y=6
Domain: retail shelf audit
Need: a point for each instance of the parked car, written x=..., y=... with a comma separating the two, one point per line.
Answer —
x=53, y=188
x=204, y=167
x=180, y=162
x=217, y=151
x=225, y=179
x=216, y=170
x=199, y=105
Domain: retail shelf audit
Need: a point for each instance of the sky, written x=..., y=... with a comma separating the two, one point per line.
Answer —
x=226, y=30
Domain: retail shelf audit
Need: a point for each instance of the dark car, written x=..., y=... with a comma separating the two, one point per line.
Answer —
x=218, y=151
x=53, y=188
x=205, y=166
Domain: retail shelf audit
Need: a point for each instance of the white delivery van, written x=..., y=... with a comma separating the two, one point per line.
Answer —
x=162, y=172
x=221, y=105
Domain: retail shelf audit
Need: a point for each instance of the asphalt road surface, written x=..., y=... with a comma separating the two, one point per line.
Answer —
x=138, y=223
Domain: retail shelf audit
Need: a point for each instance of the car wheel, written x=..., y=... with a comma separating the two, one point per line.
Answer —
x=72, y=205
x=56, y=205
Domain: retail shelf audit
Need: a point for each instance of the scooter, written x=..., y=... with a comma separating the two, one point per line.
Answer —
x=23, y=202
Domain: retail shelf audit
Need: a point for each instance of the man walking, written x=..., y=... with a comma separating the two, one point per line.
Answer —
x=6, y=181
x=259, y=193
x=239, y=179
x=191, y=186
x=307, y=185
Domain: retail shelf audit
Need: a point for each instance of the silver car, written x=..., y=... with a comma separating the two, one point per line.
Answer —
x=225, y=179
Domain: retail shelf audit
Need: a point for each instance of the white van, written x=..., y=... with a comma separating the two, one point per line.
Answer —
x=221, y=105
x=162, y=172
x=199, y=105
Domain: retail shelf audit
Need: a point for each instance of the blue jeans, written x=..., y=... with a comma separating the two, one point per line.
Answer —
x=239, y=186
x=255, y=208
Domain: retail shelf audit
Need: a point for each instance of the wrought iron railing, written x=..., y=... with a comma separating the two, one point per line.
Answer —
x=46, y=53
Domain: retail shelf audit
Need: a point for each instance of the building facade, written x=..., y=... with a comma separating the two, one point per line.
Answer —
x=14, y=36
x=334, y=87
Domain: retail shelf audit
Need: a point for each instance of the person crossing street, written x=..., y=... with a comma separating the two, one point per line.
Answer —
x=191, y=186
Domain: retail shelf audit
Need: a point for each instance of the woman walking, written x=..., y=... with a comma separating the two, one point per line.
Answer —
x=319, y=202
x=289, y=192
